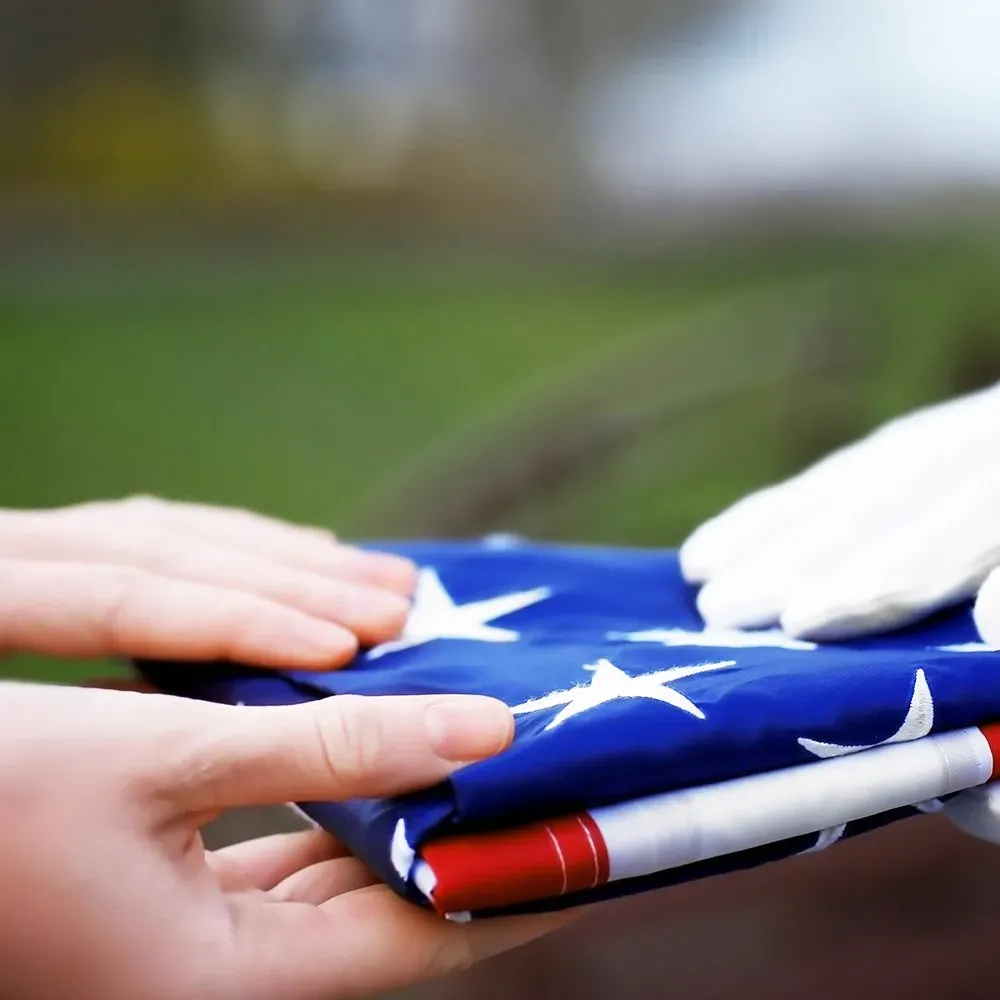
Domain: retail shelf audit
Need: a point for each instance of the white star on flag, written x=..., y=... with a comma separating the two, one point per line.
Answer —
x=718, y=637
x=918, y=723
x=609, y=683
x=435, y=615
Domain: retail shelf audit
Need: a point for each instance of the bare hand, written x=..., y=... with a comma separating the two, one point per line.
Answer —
x=146, y=577
x=109, y=893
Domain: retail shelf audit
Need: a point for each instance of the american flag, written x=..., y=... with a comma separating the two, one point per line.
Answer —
x=649, y=749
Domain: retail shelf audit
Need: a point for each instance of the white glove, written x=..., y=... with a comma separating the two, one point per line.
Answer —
x=874, y=536
x=878, y=534
x=977, y=812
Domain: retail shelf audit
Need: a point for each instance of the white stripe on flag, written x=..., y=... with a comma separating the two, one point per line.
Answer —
x=678, y=828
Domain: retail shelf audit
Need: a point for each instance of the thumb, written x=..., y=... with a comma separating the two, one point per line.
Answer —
x=987, y=610
x=348, y=746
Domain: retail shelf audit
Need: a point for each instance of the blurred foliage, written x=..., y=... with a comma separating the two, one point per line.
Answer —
x=113, y=136
x=412, y=391
x=227, y=102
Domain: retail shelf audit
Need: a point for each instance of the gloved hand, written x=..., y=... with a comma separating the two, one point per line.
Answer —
x=875, y=536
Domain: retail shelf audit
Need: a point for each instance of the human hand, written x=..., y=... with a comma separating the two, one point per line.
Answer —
x=109, y=893
x=877, y=535
x=149, y=578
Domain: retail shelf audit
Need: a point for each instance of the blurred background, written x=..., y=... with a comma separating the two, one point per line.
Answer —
x=583, y=270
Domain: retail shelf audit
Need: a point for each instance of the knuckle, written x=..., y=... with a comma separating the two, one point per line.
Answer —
x=293, y=588
x=319, y=533
x=165, y=556
x=142, y=505
x=147, y=544
x=122, y=587
x=88, y=509
x=243, y=618
x=350, y=739
x=397, y=612
x=374, y=609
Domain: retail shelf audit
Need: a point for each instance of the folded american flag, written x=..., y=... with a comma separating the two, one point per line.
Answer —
x=649, y=749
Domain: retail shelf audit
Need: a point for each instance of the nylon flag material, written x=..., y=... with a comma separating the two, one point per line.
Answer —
x=649, y=749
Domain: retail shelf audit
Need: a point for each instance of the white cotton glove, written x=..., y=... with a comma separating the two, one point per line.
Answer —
x=876, y=535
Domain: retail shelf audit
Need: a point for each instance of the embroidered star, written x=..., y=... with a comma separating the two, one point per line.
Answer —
x=919, y=722
x=717, y=637
x=435, y=615
x=610, y=683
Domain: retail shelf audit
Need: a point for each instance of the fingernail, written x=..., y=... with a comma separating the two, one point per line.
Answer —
x=468, y=728
x=391, y=571
x=376, y=615
x=318, y=642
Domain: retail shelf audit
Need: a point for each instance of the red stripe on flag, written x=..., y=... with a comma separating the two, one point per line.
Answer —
x=488, y=870
x=600, y=847
x=992, y=734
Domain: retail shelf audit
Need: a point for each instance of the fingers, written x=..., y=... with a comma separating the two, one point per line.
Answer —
x=853, y=520
x=364, y=591
x=323, y=881
x=721, y=543
x=215, y=756
x=367, y=942
x=394, y=944
x=308, y=548
x=937, y=558
x=315, y=550
x=243, y=529
x=761, y=522
x=265, y=862
x=373, y=614
x=870, y=538
x=75, y=609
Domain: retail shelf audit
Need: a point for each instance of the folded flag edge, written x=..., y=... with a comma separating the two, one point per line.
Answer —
x=572, y=853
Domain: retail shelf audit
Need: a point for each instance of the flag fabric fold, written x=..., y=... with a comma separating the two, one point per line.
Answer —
x=649, y=749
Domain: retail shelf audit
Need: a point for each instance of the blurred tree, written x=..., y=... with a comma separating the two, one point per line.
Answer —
x=98, y=95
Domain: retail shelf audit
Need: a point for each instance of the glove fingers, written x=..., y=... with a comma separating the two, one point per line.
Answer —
x=761, y=520
x=762, y=526
x=866, y=500
x=739, y=531
x=922, y=439
x=846, y=543
x=939, y=558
